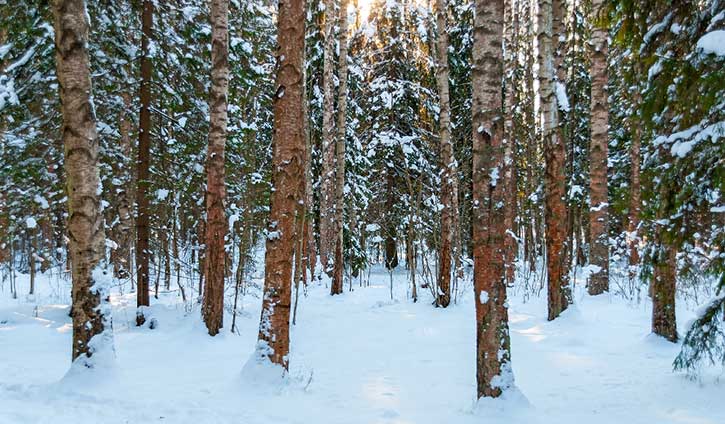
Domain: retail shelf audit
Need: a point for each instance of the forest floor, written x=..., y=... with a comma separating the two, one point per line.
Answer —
x=358, y=358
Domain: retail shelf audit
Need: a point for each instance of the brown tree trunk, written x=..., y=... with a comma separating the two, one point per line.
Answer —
x=391, y=232
x=31, y=259
x=142, y=166
x=598, y=204
x=510, y=43
x=554, y=177
x=664, y=322
x=310, y=250
x=494, y=374
x=635, y=202
x=216, y=228
x=4, y=239
x=448, y=162
x=85, y=220
x=664, y=262
x=327, y=174
x=336, y=286
x=288, y=166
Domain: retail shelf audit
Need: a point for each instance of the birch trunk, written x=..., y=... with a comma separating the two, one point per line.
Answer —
x=494, y=374
x=91, y=316
x=598, y=212
x=336, y=286
x=124, y=230
x=216, y=228
x=555, y=217
x=448, y=162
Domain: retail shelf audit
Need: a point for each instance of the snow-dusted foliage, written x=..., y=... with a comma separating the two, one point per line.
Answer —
x=668, y=57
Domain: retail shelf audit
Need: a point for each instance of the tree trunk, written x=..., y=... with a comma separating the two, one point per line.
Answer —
x=142, y=166
x=124, y=230
x=4, y=224
x=327, y=182
x=216, y=228
x=663, y=292
x=664, y=275
x=391, y=244
x=554, y=177
x=494, y=374
x=336, y=286
x=598, y=204
x=635, y=202
x=310, y=251
x=86, y=245
x=448, y=162
x=510, y=48
x=31, y=259
x=288, y=164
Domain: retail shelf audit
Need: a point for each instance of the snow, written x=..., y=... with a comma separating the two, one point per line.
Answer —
x=654, y=30
x=162, y=194
x=561, y=98
x=40, y=200
x=356, y=358
x=684, y=141
x=654, y=70
x=30, y=222
x=483, y=297
x=494, y=175
x=599, y=207
x=713, y=42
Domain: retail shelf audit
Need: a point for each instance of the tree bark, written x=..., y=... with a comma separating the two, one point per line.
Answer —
x=142, y=166
x=91, y=317
x=664, y=263
x=4, y=224
x=327, y=182
x=635, y=191
x=288, y=168
x=124, y=229
x=216, y=228
x=510, y=49
x=554, y=173
x=448, y=162
x=664, y=322
x=598, y=204
x=494, y=374
x=336, y=286
x=310, y=250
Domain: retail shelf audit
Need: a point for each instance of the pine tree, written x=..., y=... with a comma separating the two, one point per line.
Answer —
x=142, y=166
x=288, y=170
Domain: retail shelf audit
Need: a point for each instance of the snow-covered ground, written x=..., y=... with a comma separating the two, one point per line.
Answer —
x=357, y=358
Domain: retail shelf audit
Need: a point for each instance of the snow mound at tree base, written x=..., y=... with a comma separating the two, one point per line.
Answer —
x=512, y=404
